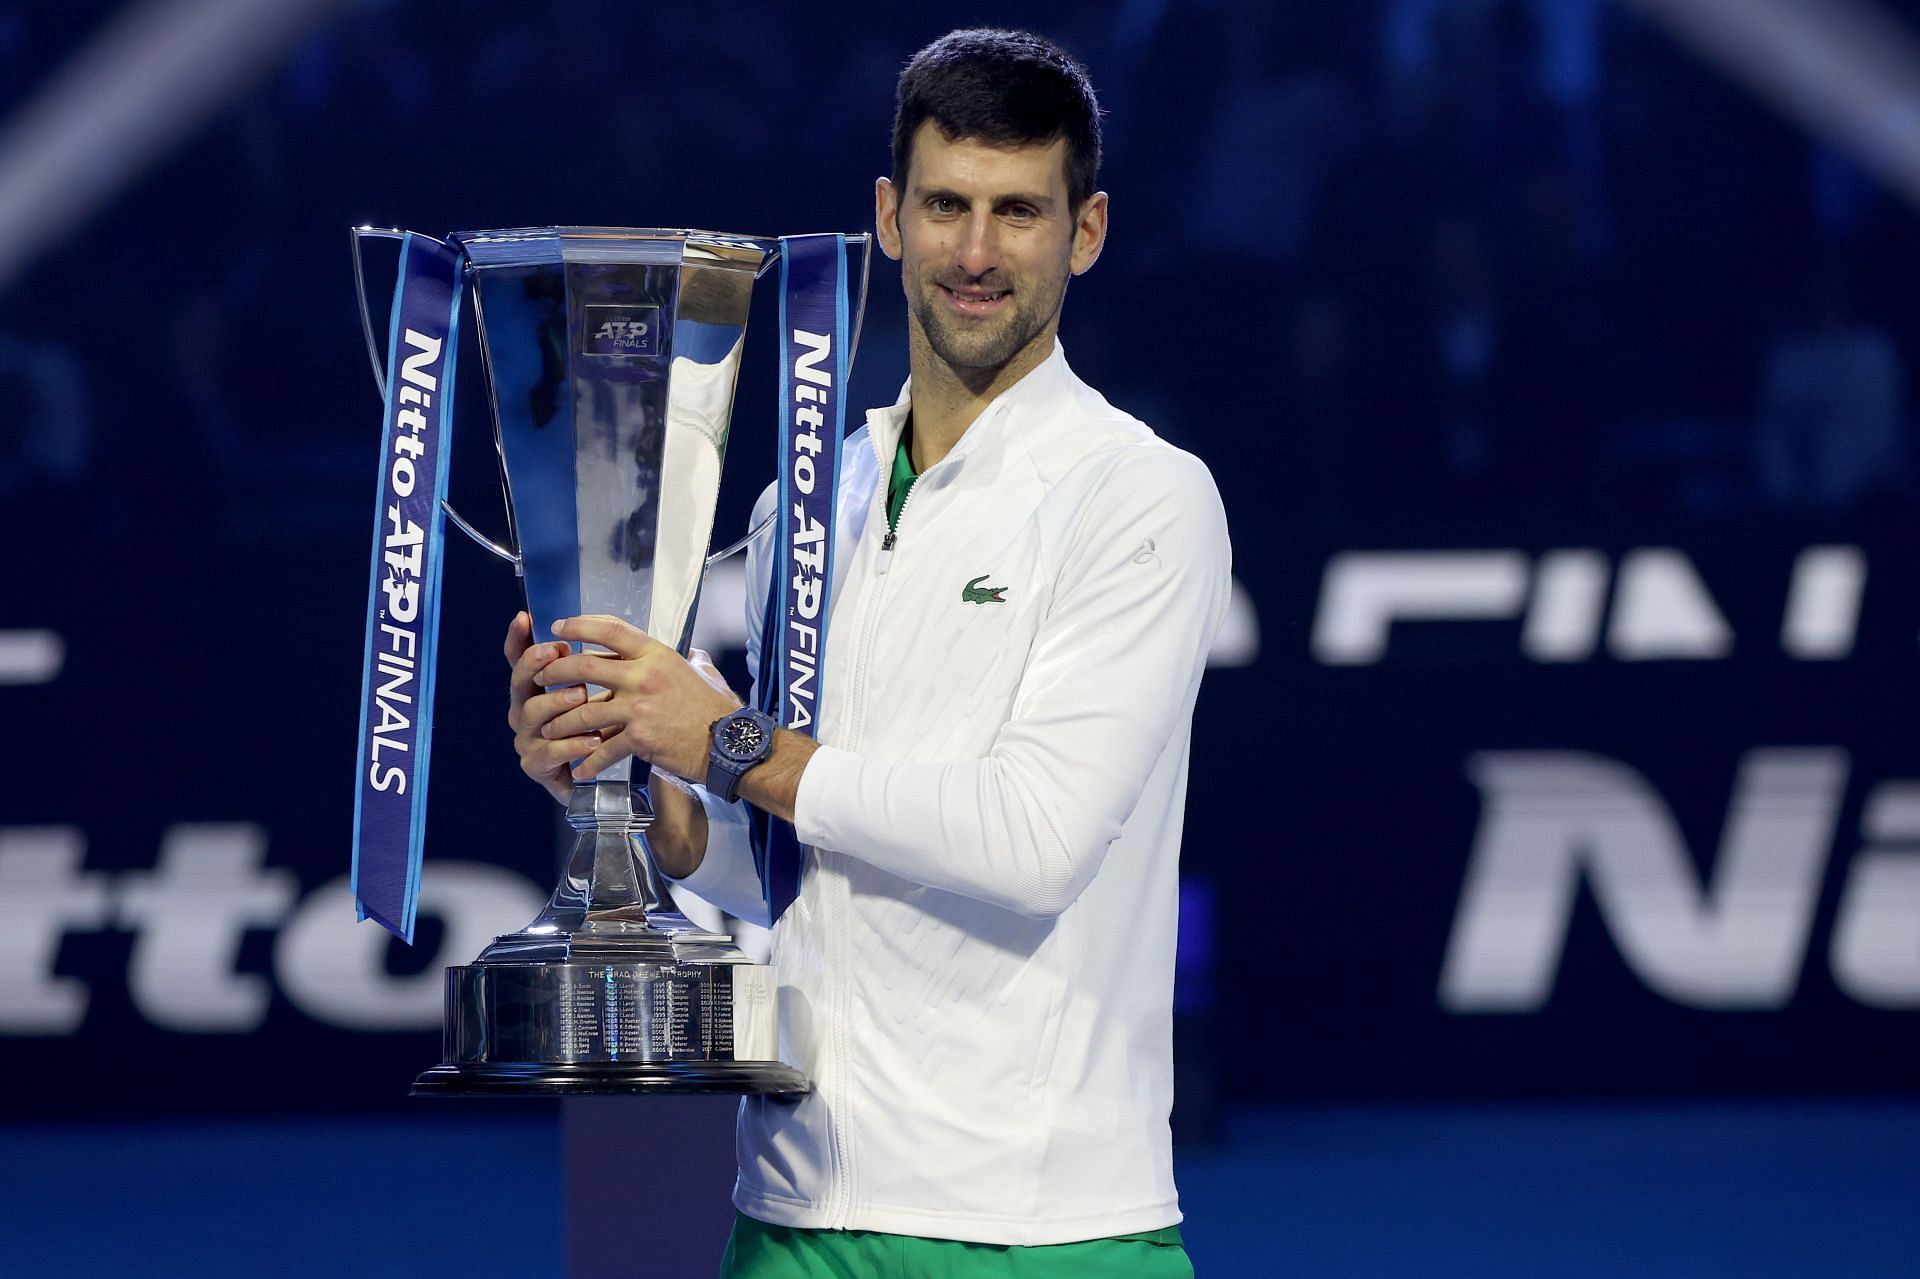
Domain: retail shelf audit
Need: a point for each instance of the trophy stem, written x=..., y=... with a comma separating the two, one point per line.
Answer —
x=609, y=867
x=610, y=903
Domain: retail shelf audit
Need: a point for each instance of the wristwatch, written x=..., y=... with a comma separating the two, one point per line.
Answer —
x=740, y=741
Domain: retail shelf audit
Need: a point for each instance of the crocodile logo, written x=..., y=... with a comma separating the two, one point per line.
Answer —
x=974, y=593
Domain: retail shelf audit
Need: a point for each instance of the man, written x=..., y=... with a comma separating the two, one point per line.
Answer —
x=977, y=974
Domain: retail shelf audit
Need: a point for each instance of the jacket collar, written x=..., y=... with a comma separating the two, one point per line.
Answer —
x=1044, y=385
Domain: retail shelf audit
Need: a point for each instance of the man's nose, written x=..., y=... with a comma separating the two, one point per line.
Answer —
x=979, y=249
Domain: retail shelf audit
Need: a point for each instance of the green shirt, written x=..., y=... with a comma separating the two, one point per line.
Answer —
x=901, y=481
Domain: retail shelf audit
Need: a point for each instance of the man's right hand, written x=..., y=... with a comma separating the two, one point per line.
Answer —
x=678, y=836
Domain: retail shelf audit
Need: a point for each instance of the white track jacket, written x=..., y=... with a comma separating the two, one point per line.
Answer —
x=978, y=973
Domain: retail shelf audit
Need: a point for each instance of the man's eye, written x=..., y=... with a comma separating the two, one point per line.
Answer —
x=941, y=204
x=1020, y=212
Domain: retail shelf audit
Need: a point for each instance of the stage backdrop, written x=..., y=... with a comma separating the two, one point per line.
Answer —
x=1556, y=744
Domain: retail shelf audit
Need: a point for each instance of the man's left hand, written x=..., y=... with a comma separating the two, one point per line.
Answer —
x=659, y=706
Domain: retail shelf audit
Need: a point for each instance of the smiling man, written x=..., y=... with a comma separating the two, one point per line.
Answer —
x=977, y=974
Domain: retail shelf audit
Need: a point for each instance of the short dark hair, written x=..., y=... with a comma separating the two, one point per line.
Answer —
x=1005, y=88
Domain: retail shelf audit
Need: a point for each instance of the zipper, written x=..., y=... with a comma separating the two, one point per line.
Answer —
x=841, y=1212
x=884, y=560
x=880, y=460
x=870, y=621
x=840, y=1199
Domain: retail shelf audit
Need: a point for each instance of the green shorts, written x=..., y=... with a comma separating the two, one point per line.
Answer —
x=760, y=1251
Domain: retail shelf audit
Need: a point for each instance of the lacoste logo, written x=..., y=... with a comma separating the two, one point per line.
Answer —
x=974, y=593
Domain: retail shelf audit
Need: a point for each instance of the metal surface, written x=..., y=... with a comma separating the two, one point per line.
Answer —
x=611, y=356
x=662, y=1026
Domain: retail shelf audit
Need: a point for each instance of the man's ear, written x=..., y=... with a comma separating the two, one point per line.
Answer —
x=1089, y=233
x=886, y=217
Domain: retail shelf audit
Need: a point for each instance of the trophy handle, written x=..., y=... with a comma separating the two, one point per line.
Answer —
x=486, y=542
x=355, y=235
x=860, y=309
x=740, y=545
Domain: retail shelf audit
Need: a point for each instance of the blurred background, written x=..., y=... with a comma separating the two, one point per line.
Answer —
x=1552, y=867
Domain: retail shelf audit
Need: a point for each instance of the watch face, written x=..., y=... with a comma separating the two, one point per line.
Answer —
x=742, y=738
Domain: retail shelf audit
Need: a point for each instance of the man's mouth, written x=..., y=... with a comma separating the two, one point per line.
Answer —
x=975, y=301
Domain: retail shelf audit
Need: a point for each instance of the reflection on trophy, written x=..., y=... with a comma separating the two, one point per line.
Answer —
x=610, y=358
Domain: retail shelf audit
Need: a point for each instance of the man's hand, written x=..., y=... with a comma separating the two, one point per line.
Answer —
x=658, y=705
x=529, y=710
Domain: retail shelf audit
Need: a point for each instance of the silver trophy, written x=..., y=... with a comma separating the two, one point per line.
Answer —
x=610, y=358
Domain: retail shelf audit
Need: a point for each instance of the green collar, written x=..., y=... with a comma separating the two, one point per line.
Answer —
x=901, y=480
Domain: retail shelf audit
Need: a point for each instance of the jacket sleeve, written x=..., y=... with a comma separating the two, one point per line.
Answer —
x=726, y=876
x=1110, y=680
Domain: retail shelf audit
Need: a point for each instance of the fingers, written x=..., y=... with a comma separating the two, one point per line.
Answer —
x=588, y=668
x=624, y=638
x=546, y=761
x=540, y=695
x=537, y=713
x=606, y=755
x=525, y=684
x=519, y=636
x=602, y=716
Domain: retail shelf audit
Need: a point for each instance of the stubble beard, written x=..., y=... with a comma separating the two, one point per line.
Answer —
x=983, y=348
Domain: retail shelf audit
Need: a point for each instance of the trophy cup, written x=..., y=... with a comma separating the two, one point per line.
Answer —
x=610, y=360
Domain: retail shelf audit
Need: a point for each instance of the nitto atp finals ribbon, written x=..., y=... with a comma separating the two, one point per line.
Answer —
x=813, y=413
x=403, y=590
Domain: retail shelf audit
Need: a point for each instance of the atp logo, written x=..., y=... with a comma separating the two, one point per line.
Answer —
x=623, y=330
x=623, y=333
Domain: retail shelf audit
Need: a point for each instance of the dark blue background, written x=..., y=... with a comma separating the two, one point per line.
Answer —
x=1300, y=208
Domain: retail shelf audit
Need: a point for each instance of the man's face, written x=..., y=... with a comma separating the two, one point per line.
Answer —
x=986, y=241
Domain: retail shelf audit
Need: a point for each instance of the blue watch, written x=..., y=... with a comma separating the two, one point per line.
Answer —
x=740, y=741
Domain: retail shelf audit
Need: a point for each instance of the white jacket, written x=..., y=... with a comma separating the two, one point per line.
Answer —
x=978, y=973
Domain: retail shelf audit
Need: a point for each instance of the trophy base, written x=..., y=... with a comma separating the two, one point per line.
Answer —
x=578, y=1079
x=666, y=1023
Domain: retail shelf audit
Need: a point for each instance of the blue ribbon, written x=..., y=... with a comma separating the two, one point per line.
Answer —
x=403, y=587
x=813, y=414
